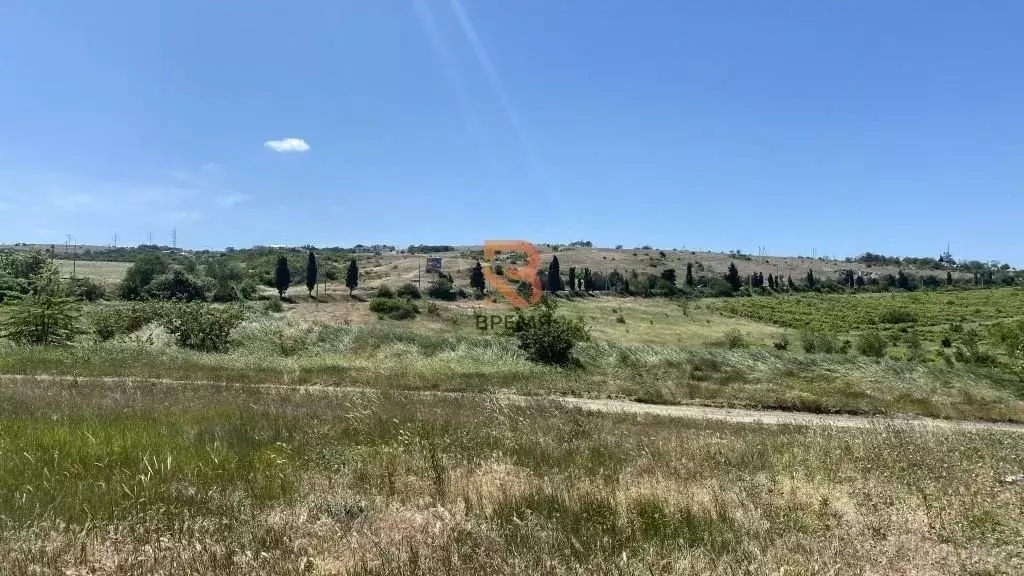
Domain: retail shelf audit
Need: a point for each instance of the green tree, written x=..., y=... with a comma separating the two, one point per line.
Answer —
x=790, y=284
x=733, y=277
x=949, y=278
x=282, y=276
x=588, y=280
x=352, y=276
x=669, y=275
x=902, y=281
x=46, y=315
x=554, y=276
x=476, y=278
x=311, y=273
x=572, y=278
x=689, y=274
x=810, y=278
x=545, y=337
x=139, y=275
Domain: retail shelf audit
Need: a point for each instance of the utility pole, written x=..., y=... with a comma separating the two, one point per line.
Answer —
x=150, y=238
x=115, y=239
x=174, y=237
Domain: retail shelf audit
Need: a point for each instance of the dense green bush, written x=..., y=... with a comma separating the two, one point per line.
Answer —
x=385, y=291
x=177, y=285
x=408, y=290
x=46, y=315
x=733, y=339
x=872, y=343
x=545, y=337
x=897, y=316
x=442, y=289
x=815, y=342
x=114, y=320
x=200, y=326
x=274, y=304
x=86, y=289
x=394, y=308
x=140, y=274
x=229, y=280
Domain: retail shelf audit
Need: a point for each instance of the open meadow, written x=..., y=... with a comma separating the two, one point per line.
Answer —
x=390, y=431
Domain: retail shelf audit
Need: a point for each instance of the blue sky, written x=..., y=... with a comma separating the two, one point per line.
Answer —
x=893, y=127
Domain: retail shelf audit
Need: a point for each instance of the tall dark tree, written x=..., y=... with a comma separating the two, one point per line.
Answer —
x=860, y=281
x=669, y=275
x=771, y=282
x=352, y=276
x=689, y=274
x=282, y=276
x=588, y=280
x=949, y=278
x=902, y=281
x=311, y=273
x=554, y=276
x=790, y=285
x=572, y=278
x=733, y=277
x=476, y=278
x=810, y=278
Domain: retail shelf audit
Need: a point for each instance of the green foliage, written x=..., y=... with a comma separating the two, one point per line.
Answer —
x=229, y=280
x=897, y=316
x=408, y=290
x=140, y=274
x=871, y=343
x=525, y=290
x=476, y=278
x=385, y=291
x=815, y=342
x=46, y=315
x=545, y=337
x=109, y=321
x=86, y=289
x=352, y=276
x=782, y=343
x=274, y=304
x=200, y=326
x=720, y=288
x=311, y=272
x=733, y=277
x=554, y=283
x=442, y=289
x=734, y=339
x=689, y=275
x=282, y=276
x=177, y=285
x=394, y=308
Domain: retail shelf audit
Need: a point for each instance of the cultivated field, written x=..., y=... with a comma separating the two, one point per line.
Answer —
x=105, y=477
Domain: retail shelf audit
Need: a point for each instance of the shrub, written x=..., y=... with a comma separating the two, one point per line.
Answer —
x=229, y=280
x=734, y=339
x=782, y=343
x=116, y=320
x=620, y=319
x=408, y=290
x=140, y=274
x=176, y=285
x=87, y=289
x=385, y=291
x=46, y=315
x=872, y=344
x=545, y=337
x=442, y=289
x=898, y=316
x=947, y=342
x=820, y=343
x=432, y=308
x=394, y=308
x=274, y=304
x=200, y=326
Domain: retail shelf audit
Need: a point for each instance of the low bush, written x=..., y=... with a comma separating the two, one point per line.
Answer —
x=821, y=343
x=782, y=343
x=408, y=290
x=442, y=289
x=200, y=326
x=872, y=343
x=545, y=337
x=177, y=285
x=385, y=291
x=734, y=339
x=108, y=322
x=394, y=308
x=274, y=304
x=87, y=289
x=898, y=316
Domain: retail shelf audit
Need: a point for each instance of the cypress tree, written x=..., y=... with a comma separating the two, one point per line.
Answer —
x=689, y=274
x=669, y=275
x=554, y=276
x=352, y=276
x=572, y=278
x=949, y=278
x=476, y=278
x=860, y=281
x=790, y=284
x=771, y=282
x=282, y=276
x=588, y=280
x=311, y=273
x=902, y=281
x=733, y=277
x=810, y=278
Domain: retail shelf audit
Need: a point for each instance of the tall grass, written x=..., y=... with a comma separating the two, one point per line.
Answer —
x=106, y=477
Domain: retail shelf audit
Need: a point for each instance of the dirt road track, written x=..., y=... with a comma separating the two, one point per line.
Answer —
x=737, y=415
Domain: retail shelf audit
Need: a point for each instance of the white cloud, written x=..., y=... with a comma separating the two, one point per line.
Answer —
x=232, y=200
x=287, y=145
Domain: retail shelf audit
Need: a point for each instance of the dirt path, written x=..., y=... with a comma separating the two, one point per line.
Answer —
x=737, y=415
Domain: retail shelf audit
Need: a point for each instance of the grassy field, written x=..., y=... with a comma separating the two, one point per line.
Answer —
x=108, y=273
x=122, y=478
